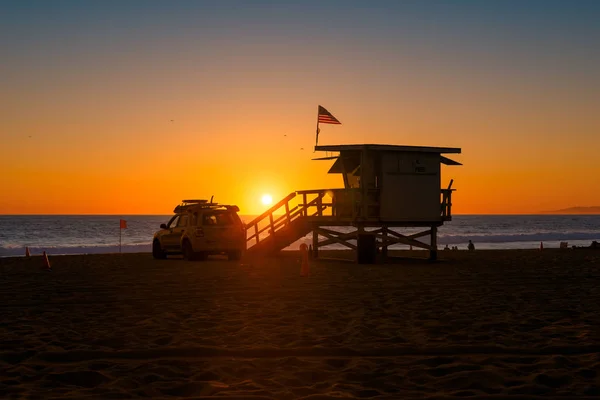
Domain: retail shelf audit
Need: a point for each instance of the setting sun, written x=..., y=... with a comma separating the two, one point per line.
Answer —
x=267, y=199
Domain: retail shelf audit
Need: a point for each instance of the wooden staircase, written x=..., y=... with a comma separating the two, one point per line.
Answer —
x=270, y=233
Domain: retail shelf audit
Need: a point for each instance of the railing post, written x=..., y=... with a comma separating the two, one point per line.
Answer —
x=443, y=203
x=287, y=212
x=272, y=231
x=305, y=208
x=256, y=232
x=333, y=204
x=320, y=205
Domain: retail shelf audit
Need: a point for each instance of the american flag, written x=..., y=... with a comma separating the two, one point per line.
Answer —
x=325, y=117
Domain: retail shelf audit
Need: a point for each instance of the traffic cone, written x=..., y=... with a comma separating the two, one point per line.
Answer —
x=541, y=246
x=304, y=268
x=27, y=254
x=47, y=266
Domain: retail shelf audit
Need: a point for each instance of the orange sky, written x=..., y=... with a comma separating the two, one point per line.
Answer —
x=86, y=121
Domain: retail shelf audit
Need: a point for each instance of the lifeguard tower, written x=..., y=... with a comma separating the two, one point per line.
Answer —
x=384, y=187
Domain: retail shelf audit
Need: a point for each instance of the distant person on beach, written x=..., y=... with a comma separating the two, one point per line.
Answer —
x=595, y=245
x=471, y=246
x=446, y=248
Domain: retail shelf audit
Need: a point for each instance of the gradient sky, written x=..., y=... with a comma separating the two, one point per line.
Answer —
x=89, y=89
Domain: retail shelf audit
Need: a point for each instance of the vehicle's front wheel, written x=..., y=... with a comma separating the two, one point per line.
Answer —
x=157, y=252
x=188, y=251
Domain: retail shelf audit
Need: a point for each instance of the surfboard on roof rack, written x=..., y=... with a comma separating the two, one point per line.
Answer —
x=202, y=204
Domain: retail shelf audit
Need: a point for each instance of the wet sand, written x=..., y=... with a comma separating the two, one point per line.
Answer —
x=515, y=324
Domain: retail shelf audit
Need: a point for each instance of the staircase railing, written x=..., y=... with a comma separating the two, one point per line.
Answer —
x=273, y=223
x=310, y=204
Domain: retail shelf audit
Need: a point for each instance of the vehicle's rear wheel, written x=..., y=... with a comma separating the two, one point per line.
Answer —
x=188, y=251
x=234, y=255
x=157, y=252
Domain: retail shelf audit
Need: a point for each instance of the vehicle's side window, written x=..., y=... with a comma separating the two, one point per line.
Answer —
x=209, y=219
x=183, y=221
x=194, y=219
x=173, y=222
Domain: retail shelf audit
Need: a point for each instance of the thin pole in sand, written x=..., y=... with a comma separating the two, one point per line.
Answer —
x=122, y=225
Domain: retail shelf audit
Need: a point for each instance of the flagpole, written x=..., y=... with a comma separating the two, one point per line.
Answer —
x=120, y=235
x=317, y=137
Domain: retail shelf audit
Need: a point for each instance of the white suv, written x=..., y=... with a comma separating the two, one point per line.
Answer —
x=200, y=228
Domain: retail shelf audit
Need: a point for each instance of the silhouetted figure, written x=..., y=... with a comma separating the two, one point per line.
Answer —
x=595, y=245
x=446, y=248
x=471, y=246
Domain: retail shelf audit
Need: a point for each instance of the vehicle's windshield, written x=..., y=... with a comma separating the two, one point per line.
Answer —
x=173, y=222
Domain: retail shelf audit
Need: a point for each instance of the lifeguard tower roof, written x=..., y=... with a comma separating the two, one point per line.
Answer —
x=388, y=148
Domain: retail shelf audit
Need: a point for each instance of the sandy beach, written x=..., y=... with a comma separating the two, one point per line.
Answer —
x=488, y=324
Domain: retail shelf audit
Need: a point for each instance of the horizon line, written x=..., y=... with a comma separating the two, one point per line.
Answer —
x=454, y=214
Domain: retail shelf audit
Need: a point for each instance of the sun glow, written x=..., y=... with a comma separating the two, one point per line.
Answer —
x=266, y=199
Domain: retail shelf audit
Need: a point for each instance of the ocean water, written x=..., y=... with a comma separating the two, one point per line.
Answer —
x=88, y=234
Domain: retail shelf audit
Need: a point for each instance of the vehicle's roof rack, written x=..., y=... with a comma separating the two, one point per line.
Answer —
x=202, y=204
